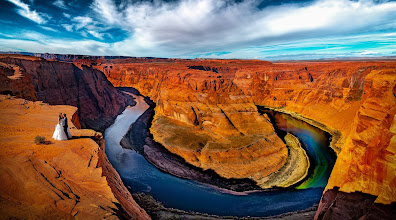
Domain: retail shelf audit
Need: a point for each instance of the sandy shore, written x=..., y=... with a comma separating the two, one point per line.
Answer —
x=295, y=168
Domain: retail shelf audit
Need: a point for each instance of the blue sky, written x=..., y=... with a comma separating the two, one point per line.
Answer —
x=250, y=29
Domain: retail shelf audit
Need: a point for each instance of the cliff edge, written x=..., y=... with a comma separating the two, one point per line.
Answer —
x=56, y=180
x=352, y=100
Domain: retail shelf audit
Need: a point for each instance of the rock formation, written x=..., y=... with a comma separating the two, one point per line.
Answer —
x=58, y=180
x=212, y=124
x=206, y=113
x=367, y=159
x=57, y=83
x=211, y=102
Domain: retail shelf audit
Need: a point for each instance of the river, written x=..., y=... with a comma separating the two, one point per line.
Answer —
x=189, y=195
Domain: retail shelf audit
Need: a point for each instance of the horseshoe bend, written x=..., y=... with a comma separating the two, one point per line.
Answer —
x=236, y=126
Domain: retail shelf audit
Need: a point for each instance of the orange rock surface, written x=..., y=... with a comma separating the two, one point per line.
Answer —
x=205, y=118
x=367, y=161
x=55, y=181
x=210, y=100
x=60, y=83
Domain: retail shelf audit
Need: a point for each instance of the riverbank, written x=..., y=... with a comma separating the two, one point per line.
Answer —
x=296, y=167
x=56, y=180
x=141, y=176
x=140, y=139
x=158, y=211
x=335, y=134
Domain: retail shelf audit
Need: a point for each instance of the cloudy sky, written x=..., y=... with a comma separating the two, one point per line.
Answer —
x=260, y=29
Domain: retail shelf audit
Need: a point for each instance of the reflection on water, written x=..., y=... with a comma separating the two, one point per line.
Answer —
x=315, y=142
x=189, y=195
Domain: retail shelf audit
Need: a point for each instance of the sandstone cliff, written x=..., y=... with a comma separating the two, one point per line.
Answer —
x=202, y=116
x=56, y=83
x=55, y=181
x=98, y=104
x=213, y=101
x=367, y=160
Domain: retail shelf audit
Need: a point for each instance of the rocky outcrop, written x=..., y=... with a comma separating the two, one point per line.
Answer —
x=118, y=188
x=140, y=139
x=336, y=204
x=57, y=180
x=98, y=104
x=57, y=83
x=366, y=162
x=211, y=123
x=211, y=101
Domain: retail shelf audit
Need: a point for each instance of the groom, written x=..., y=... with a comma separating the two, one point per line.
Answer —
x=65, y=126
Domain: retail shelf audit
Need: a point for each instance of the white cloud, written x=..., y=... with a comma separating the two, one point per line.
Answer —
x=108, y=11
x=368, y=53
x=68, y=27
x=82, y=21
x=36, y=42
x=60, y=4
x=66, y=15
x=96, y=34
x=191, y=26
x=25, y=11
x=49, y=28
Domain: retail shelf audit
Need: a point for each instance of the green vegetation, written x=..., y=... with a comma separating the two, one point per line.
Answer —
x=39, y=139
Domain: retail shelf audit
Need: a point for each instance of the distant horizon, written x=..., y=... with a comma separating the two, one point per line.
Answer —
x=188, y=29
x=378, y=58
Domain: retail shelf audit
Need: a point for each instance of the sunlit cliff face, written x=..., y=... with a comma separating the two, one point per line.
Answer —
x=330, y=93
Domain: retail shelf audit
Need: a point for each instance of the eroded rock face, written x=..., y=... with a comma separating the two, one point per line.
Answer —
x=213, y=101
x=55, y=181
x=336, y=204
x=367, y=160
x=57, y=83
x=205, y=118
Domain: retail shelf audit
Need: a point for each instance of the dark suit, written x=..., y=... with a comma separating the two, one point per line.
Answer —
x=65, y=126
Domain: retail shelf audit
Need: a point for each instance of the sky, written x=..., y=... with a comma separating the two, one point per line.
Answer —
x=246, y=29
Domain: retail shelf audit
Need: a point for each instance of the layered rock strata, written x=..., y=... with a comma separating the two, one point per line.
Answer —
x=367, y=160
x=57, y=83
x=211, y=124
x=206, y=100
x=140, y=139
x=56, y=180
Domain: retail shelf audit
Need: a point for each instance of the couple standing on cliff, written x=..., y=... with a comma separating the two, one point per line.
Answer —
x=62, y=130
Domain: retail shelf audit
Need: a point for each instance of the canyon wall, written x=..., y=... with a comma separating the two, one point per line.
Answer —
x=57, y=83
x=211, y=102
x=59, y=179
x=205, y=118
x=206, y=113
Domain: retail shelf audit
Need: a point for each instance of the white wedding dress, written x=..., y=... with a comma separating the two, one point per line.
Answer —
x=59, y=133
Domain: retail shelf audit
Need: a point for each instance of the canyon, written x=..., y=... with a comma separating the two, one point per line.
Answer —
x=60, y=179
x=58, y=83
x=353, y=101
x=206, y=112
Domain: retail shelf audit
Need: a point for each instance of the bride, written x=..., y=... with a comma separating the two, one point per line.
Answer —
x=59, y=133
